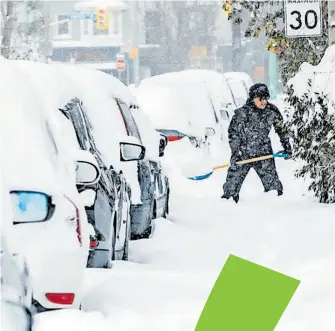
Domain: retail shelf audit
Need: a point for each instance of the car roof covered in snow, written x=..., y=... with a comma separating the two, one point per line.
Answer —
x=62, y=82
x=239, y=76
x=177, y=101
x=34, y=153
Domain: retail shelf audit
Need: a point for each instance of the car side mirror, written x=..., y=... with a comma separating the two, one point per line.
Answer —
x=87, y=168
x=31, y=206
x=87, y=173
x=87, y=197
x=209, y=131
x=131, y=152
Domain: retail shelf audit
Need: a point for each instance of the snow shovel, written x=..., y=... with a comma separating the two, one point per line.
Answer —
x=227, y=165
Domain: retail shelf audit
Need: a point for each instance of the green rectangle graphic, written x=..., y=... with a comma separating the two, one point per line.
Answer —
x=246, y=297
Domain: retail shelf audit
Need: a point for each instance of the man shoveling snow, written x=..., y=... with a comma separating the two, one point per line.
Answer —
x=248, y=135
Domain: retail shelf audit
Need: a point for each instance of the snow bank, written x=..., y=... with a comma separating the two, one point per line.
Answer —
x=319, y=78
x=69, y=320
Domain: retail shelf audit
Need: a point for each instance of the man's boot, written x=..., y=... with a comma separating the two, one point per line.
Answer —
x=236, y=198
x=280, y=192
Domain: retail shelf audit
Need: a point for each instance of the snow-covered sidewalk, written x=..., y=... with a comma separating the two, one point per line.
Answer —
x=169, y=278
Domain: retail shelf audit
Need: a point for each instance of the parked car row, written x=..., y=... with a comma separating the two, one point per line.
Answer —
x=83, y=172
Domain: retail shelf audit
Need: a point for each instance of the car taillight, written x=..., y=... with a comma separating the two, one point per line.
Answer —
x=94, y=244
x=75, y=218
x=175, y=138
x=172, y=135
x=61, y=298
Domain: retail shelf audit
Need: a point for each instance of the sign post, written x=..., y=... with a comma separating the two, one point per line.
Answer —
x=303, y=18
x=120, y=64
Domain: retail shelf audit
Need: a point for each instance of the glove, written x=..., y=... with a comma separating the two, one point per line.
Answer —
x=288, y=152
x=233, y=166
x=289, y=155
x=236, y=156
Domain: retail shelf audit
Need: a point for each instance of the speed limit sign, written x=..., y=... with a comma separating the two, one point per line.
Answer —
x=303, y=18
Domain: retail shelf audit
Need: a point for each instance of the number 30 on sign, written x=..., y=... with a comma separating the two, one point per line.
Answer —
x=303, y=18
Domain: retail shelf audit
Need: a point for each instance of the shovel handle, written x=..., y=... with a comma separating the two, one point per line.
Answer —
x=255, y=159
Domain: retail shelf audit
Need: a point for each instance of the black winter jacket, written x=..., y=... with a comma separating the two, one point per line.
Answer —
x=249, y=130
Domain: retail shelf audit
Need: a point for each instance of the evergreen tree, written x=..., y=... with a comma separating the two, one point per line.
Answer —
x=312, y=126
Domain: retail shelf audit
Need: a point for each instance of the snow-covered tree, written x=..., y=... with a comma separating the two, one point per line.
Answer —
x=8, y=19
x=268, y=17
x=312, y=126
x=23, y=30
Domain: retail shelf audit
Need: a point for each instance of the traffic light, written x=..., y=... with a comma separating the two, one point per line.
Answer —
x=227, y=7
x=102, y=19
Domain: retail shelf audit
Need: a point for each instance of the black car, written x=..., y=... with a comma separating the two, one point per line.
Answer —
x=110, y=214
x=154, y=184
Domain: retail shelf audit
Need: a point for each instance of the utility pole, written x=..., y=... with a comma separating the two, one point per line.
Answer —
x=47, y=49
x=236, y=41
x=331, y=22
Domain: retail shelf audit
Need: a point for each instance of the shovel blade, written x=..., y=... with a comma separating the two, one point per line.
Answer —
x=201, y=177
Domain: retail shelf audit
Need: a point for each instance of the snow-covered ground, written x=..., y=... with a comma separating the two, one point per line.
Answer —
x=169, y=277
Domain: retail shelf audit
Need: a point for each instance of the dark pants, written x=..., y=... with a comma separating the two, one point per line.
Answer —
x=266, y=171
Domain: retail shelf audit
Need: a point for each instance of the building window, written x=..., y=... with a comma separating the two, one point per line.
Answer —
x=63, y=28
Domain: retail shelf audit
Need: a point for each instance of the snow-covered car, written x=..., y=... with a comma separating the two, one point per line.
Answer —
x=108, y=214
x=153, y=181
x=99, y=128
x=152, y=200
x=36, y=158
x=177, y=113
x=16, y=290
x=112, y=195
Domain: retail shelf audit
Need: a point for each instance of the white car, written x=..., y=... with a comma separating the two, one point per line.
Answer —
x=78, y=99
x=36, y=160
